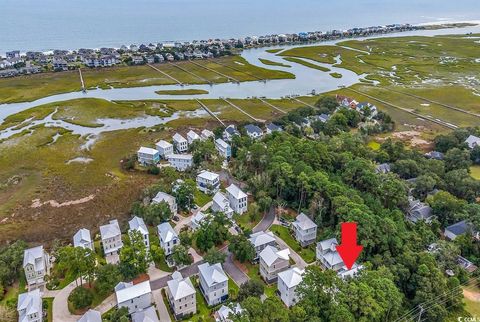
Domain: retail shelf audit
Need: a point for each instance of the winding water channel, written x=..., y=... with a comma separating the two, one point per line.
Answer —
x=306, y=80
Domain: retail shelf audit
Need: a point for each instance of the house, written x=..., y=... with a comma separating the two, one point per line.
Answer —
x=383, y=168
x=181, y=296
x=220, y=203
x=169, y=199
x=253, y=131
x=305, y=230
x=213, y=283
x=91, y=316
x=237, y=199
x=229, y=132
x=111, y=241
x=223, y=148
x=472, y=141
x=418, y=210
x=164, y=148
x=323, y=118
x=60, y=64
x=168, y=237
x=29, y=307
x=434, y=155
x=197, y=220
x=329, y=258
x=260, y=240
x=206, y=134
x=180, y=143
x=36, y=264
x=287, y=283
x=135, y=297
x=137, y=224
x=273, y=261
x=147, y=315
x=208, y=182
x=148, y=156
x=460, y=228
x=466, y=264
x=137, y=60
x=180, y=162
x=83, y=239
x=270, y=128
x=224, y=312
x=12, y=54
x=192, y=136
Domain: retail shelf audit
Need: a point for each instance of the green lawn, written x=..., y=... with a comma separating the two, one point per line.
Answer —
x=49, y=303
x=373, y=145
x=200, y=198
x=308, y=254
x=245, y=221
x=475, y=171
x=232, y=289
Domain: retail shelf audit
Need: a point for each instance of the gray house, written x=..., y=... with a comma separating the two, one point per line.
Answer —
x=305, y=230
x=181, y=296
x=213, y=283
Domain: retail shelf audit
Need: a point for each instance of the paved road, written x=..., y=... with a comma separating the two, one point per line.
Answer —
x=233, y=271
x=187, y=271
x=266, y=221
x=161, y=308
x=60, y=304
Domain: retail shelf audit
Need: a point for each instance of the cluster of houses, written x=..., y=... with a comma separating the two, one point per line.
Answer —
x=16, y=63
x=362, y=107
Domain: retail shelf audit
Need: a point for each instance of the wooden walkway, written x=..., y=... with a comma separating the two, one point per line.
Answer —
x=165, y=74
x=81, y=80
x=210, y=112
x=240, y=71
x=229, y=78
x=240, y=109
x=191, y=73
x=272, y=106
x=302, y=102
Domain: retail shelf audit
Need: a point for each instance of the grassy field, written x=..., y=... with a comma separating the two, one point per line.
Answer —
x=308, y=254
x=306, y=64
x=272, y=63
x=475, y=171
x=201, y=199
x=182, y=92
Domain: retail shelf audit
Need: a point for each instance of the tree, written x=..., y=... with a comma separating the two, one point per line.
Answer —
x=423, y=185
x=184, y=194
x=134, y=256
x=406, y=169
x=203, y=151
x=11, y=259
x=81, y=297
x=241, y=247
x=181, y=256
x=119, y=315
x=78, y=261
x=212, y=232
x=327, y=102
x=446, y=207
x=107, y=277
x=185, y=238
x=253, y=288
x=156, y=213
x=457, y=159
x=214, y=256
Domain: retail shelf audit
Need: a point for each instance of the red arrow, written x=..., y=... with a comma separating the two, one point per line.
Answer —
x=349, y=250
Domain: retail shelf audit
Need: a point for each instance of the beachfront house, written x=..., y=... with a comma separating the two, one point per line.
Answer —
x=169, y=199
x=287, y=283
x=91, y=316
x=208, y=182
x=272, y=262
x=36, y=265
x=181, y=296
x=229, y=132
x=206, y=134
x=472, y=141
x=164, y=148
x=253, y=131
x=192, y=136
x=83, y=239
x=260, y=240
x=237, y=199
x=148, y=156
x=168, y=237
x=147, y=315
x=305, y=230
x=213, y=283
x=29, y=307
x=137, y=224
x=135, y=297
x=180, y=143
x=181, y=162
x=220, y=203
x=112, y=241
x=223, y=148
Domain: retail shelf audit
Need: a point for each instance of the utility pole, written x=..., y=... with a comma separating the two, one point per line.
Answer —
x=421, y=311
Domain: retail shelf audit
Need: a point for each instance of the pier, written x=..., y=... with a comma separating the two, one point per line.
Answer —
x=210, y=112
x=271, y=105
x=165, y=74
x=191, y=73
x=240, y=71
x=302, y=102
x=229, y=78
x=240, y=109
x=81, y=80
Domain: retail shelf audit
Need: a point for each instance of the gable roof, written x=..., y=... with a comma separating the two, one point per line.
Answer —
x=251, y=128
x=163, y=144
x=212, y=274
x=207, y=175
x=147, y=315
x=166, y=232
x=261, y=238
x=110, y=230
x=236, y=192
x=137, y=223
x=459, y=228
x=303, y=222
x=222, y=143
x=472, y=141
x=179, y=138
x=91, y=316
x=81, y=237
x=273, y=127
x=147, y=150
x=34, y=256
x=163, y=196
x=133, y=291
x=193, y=135
x=291, y=277
x=180, y=287
x=31, y=302
x=270, y=254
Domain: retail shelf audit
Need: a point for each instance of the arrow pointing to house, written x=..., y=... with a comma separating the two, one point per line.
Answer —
x=349, y=250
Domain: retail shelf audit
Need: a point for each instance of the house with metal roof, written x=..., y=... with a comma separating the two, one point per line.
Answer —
x=220, y=203
x=147, y=315
x=29, y=306
x=329, y=258
x=272, y=262
x=223, y=148
x=287, y=283
x=237, y=198
x=82, y=238
x=260, y=240
x=418, y=210
x=36, y=265
x=197, y=220
x=460, y=228
x=253, y=131
x=472, y=141
x=271, y=127
x=111, y=241
x=137, y=224
x=168, y=237
x=192, y=136
x=164, y=148
x=225, y=312
x=135, y=297
x=91, y=316
x=148, y=156
x=181, y=162
x=305, y=230
x=229, y=132
x=206, y=134
x=213, y=283
x=208, y=182
x=383, y=168
x=181, y=296
x=169, y=199
x=180, y=143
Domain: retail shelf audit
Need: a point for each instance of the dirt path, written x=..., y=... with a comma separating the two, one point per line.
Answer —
x=471, y=295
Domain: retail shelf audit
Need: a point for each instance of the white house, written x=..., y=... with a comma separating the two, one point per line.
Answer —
x=253, y=131
x=180, y=143
x=169, y=199
x=197, y=220
x=223, y=148
x=164, y=148
x=270, y=128
x=91, y=316
x=208, y=182
x=220, y=203
x=225, y=312
x=206, y=134
x=329, y=258
x=237, y=198
x=29, y=307
x=36, y=264
x=181, y=162
x=287, y=283
x=273, y=261
x=181, y=296
x=148, y=156
x=83, y=239
x=305, y=230
x=192, y=136
x=147, y=315
x=137, y=224
x=111, y=241
x=135, y=298
x=213, y=283
x=261, y=240
x=168, y=237
x=229, y=132
x=472, y=141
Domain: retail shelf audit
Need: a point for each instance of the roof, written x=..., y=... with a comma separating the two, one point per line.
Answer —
x=327, y=244
x=270, y=254
x=459, y=228
x=207, y=133
x=180, y=156
x=473, y=141
x=82, y=236
x=212, y=274
x=207, y=175
x=291, y=277
x=91, y=316
x=225, y=311
x=220, y=199
x=273, y=127
x=231, y=129
x=384, y=168
x=163, y=196
x=179, y=138
x=137, y=223
x=166, y=232
x=222, y=143
x=304, y=222
x=34, y=256
x=147, y=150
x=251, y=128
x=31, y=302
x=198, y=218
x=193, y=135
x=110, y=230
x=261, y=238
x=180, y=287
x=147, y=315
x=163, y=144
x=236, y=192
x=134, y=291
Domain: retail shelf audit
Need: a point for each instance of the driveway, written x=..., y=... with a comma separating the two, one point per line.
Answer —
x=266, y=221
x=161, y=308
x=294, y=255
x=60, y=304
x=233, y=271
x=187, y=271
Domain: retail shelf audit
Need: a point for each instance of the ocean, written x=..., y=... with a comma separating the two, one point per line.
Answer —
x=72, y=24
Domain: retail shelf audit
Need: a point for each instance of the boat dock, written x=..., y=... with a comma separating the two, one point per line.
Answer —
x=210, y=112
x=165, y=74
x=241, y=110
x=229, y=78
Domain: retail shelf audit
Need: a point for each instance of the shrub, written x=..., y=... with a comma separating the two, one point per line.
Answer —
x=81, y=297
x=153, y=170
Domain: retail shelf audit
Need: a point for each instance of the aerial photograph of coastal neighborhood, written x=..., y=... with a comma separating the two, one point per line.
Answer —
x=240, y=161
